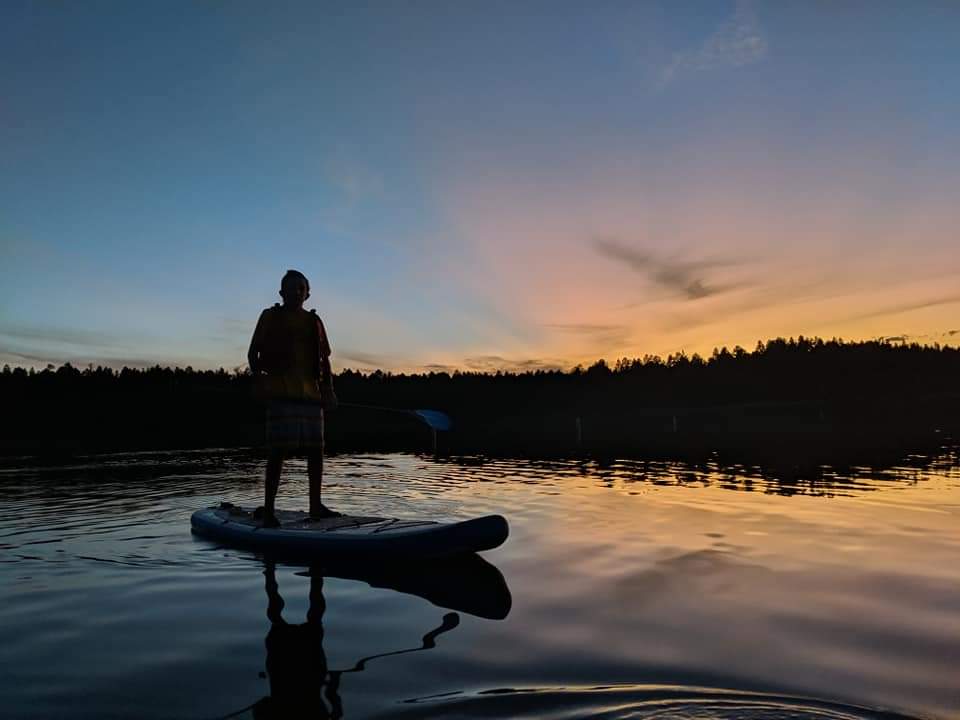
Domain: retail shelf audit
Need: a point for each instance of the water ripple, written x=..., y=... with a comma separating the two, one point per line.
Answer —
x=635, y=703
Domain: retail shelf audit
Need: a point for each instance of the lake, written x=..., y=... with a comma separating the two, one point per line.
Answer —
x=626, y=589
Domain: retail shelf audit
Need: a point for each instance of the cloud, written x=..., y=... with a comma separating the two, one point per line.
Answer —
x=363, y=358
x=907, y=307
x=922, y=338
x=737, y=42
x=19, y=358
x=56, y=335
x=685, y=277
x=438, y=368
x=598, y=334
x=13, y=357
x=758, y=299
x=39, y=345
x=492, y=363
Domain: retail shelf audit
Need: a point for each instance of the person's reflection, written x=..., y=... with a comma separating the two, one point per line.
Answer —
x=296, y=663
x=301, y=684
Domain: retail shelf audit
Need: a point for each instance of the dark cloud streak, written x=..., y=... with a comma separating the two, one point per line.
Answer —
x=602, y=336
x=492, y=363
x=364, y=358
x=908, y=307
x=684, y=277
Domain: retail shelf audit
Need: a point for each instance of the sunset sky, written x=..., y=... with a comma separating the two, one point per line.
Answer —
x=475, y=185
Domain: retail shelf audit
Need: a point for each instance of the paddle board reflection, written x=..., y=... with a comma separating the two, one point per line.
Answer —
x=302, y=684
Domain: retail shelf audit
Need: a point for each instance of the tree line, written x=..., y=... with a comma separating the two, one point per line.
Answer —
x=806, y=390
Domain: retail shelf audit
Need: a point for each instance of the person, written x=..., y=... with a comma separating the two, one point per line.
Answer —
x=289, y=357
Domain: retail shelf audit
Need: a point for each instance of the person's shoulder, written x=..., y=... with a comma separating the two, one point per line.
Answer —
x=267, y=314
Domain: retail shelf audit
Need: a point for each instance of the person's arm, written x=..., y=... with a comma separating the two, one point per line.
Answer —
x=326, y=373
x=329, y=396
x=256, y=346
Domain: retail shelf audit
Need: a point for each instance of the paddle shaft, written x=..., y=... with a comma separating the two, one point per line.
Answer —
x=433, y=419
x=374, y=407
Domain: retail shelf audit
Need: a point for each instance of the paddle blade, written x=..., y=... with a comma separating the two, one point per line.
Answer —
x=434, y=418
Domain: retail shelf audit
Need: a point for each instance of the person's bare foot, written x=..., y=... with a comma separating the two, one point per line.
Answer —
x=267, y=519
x=323, y=513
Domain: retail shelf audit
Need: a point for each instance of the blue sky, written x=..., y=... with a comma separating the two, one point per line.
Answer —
x=475, y=185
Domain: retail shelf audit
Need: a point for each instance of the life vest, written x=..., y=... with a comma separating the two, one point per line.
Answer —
x=293, y=346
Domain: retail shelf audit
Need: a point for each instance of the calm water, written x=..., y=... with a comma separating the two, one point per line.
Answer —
x=628, y=590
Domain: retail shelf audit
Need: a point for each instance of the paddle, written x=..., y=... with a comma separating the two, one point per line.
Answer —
x=450, y=621
x=434, y=419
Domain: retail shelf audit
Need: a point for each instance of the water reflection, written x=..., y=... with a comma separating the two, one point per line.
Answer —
x=784, y=476
x=296, y=664
x=634, y=574
x=165, y=474
x=302, y=684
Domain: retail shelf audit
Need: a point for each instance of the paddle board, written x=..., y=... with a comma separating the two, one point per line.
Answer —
x=350, y=535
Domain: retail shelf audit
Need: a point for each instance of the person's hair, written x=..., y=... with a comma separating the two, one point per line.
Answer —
x=294, y=275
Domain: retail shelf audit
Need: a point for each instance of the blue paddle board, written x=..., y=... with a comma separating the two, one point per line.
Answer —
x=350, y=535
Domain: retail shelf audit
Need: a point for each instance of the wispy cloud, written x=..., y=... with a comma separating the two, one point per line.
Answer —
x=56, y=335
x=19, y=358
x=759, y=298
x=922, y=338
x=686, y=277
x=437, y=367
x=37, y=345
x=80, y=361
x=737, y=42
x=908, y=307
x=366, y=359
x=492, y=363
x=600, y=336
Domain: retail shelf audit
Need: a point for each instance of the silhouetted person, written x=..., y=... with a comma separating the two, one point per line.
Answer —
x=296, y=664
x=290, y=358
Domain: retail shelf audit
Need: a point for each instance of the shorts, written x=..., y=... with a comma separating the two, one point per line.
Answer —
x=294, y=425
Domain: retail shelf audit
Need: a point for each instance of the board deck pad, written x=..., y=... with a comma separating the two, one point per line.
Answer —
x=350, y=534
x=301, y=520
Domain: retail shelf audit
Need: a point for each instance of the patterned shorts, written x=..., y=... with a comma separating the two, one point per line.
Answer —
x=293, y=425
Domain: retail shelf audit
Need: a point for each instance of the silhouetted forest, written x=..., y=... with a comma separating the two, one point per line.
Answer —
x=809, y=397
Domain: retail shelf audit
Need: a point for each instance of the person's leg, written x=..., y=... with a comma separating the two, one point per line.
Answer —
x=315, y=474
x=272, y=482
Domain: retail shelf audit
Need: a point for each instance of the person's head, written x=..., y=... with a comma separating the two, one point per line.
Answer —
x=294, y=288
